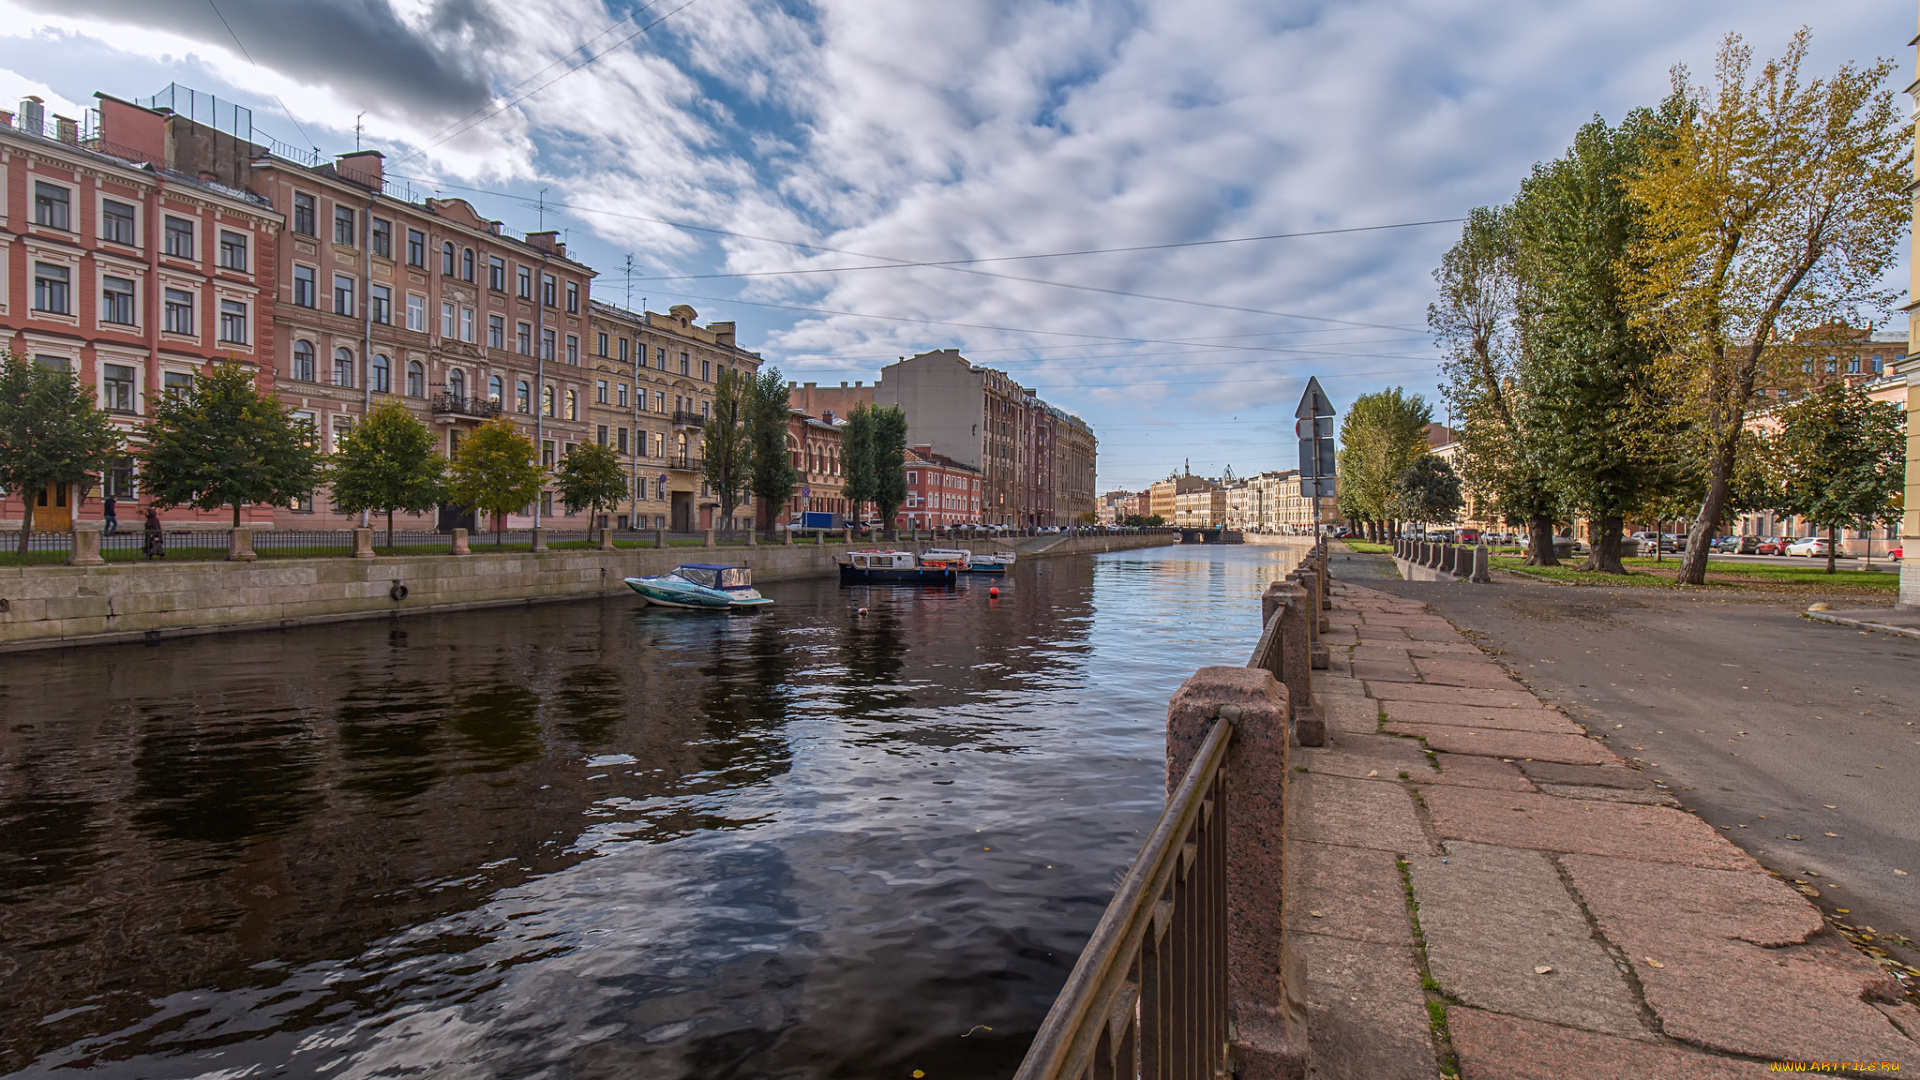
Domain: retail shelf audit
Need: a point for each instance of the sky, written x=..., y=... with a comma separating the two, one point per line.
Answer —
x=774, y=163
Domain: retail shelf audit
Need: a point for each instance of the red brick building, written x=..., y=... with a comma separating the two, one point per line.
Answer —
x=941, y=492
x=815, y=446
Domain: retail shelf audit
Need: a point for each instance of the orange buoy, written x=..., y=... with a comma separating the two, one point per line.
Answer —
x=993, y=590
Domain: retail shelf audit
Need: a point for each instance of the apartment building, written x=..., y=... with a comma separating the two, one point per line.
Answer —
x=816, y=400
x=941, y=492
x=1203, y=507
x=814, y=443
x=653, y=379
x=1162, y=496
x=133, y=276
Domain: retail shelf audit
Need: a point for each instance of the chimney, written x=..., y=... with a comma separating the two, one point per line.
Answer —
x=722, y=332
x=67, y=129
x=33, y=114
x=364, y=167
x=548, y=242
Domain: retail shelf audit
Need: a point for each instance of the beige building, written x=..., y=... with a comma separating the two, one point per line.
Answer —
x=1162, y=496
x=1203, y=507
x=653, y=377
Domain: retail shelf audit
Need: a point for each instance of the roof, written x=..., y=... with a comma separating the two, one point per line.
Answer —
x=712, y=566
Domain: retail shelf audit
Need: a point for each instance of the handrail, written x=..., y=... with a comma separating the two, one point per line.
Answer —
x=1147, y=997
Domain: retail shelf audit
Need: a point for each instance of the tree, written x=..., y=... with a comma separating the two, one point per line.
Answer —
x=494, y=470
x=1843, y=458
x=1772, y=206
x=1504, y=444
x=221, y=442
x=591, y=478
x=726, y=453
x=1426, y=491
x=772, y=479
x=873, y=457
x=387, y=462
x=1383, y=433
x=51, y=433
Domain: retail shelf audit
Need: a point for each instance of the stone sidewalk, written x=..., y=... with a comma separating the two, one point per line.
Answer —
x=1478, y=889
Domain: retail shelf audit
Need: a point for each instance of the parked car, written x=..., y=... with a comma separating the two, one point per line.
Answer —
x=1894, y=553
x=1814, y=547
x=1772, y=545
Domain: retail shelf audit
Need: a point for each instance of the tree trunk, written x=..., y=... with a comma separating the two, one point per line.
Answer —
x=26, y=520
x=389, y=528
x=1540, y=541
x=236, y=515
x=1833, y=542
x=1693, y=562
x=1604, y=554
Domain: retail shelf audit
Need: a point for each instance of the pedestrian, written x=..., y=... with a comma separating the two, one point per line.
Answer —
x=156, y=541
x=111, y=515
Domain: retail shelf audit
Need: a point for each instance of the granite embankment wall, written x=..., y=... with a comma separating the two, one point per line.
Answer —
x=54, y=606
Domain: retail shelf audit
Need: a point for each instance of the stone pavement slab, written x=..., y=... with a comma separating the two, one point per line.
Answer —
x=1346, y=892
x=1356, y=715
x=1592, y=776
x=1574, y=749
x=1542, y=721
x=1519, y=819
x=1454, y=671
x=1512, y=698
x=1384, y=671
x=1493, y=1047
x=1366, y=1013
x=1493, y=917
x=1364, y=757
x=1465, y=770
x=1740, y=962
x=1357, y=813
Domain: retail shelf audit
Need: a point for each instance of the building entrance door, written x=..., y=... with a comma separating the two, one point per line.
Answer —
x=683, y=511
x=52, y=512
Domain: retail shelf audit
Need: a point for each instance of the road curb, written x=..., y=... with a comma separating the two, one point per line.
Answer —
x=1860, y=624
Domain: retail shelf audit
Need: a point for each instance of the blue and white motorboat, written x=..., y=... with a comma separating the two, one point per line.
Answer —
x=701, y=585
x=872, y=567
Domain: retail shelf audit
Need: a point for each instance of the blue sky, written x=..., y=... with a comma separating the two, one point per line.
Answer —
x=794, y=139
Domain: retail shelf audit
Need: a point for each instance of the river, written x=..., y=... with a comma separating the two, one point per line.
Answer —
x=595, y=839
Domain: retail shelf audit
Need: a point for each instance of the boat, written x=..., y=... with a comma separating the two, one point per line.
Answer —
x=701, y=585
x=966, y=562
x=873, y=567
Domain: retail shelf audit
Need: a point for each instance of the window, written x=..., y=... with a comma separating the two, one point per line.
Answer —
x=380, y=299
x=446, y=320
x=342, y=427
x=456, y=382
x=573, y=348
x=342, y=294
x=416, y=313
x=496, y=332
x=706, y=410
x=116, y=384
x=416, y=379
x=623, y=395
x=416, y=248
x=116, y=300
x=546, y=458
x=496, y=273
x=600, y=395
x=382, y=238
x=342, y=367
x=233, y=250
x=660, y=359
x=624, y=344
x=573, y=300
x=659, y=444
x=50, y=289
x=546, y=344
x=380, y=374
x=573, y=405
x=600, y=434
x=524, y=282
x=546, y=289
x=659, y=402
x=546, y=401
x=1853, y=365
x=446, y=258
x=302, y=361
x=117, y=482
x=179, y=237
x=601, y=342
x=494, y=389
x=466, y=264
x=233, y=321
x=1879, y=364
x=303, y=287
x=343, y=225
x=116, y=223
x=686, y=365
x=706, y=371
x=305, y=212
x=523, y=396
x=52, y=205
x=523, y=339
x=466, y=324
x=1832, y=365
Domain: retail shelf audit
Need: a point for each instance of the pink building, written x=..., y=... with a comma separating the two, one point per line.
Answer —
x=941, y=492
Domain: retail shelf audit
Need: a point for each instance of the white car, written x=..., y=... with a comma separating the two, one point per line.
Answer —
x=1814, y=547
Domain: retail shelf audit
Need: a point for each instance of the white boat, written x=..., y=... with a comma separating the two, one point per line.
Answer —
x=894, y=567
x=966, y=561
x=701, y=585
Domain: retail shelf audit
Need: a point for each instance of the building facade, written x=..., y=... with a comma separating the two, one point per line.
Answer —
x=815, y=446
x=941, y=492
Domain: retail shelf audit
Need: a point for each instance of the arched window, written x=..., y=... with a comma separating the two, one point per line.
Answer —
x=381, y=375
x=496, y=390
x=573, y=405
x=446, y=258
x=546, y=400
x=466, y=264
x=416, y=379
x=456, y=382
x=343, y=367
x=302, y=361
x=523, y=396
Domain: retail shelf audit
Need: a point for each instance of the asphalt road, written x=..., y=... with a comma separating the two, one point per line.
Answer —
x=1800, y=739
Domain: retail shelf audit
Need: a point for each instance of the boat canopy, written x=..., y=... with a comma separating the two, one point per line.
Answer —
x=716, y=576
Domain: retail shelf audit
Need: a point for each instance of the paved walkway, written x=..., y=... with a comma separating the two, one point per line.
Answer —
x=1476, y=885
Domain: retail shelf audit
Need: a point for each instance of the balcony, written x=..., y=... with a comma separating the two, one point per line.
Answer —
x=688, y=419
x=456, y=406
x=686, y=464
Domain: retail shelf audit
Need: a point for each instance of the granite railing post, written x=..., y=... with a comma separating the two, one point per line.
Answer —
x=363, y=543
x=1266, y=981
x=659, y=538
x=606, y=539
x=709, y=539
x=1296, y=665
x=86, y=545
x=240, y=546
x=1481, y=568
x=461, y=546
x=753, y=537
x=1446, y=558
x=539, y=539
x=786, y=537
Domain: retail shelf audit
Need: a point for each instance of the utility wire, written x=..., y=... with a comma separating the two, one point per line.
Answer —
x=243, y=52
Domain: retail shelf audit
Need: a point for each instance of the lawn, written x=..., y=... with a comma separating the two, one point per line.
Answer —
x=1753, y=576
x=1363, y=547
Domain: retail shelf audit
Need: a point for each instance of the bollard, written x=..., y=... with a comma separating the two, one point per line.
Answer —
x=606, y=539
x=363, y=543
x=709, y=539
x=659, y=538
x=539, y=539
x=786, y=536
x=753, y=537
x=849, y=534
x=1446, y=558
x=1481, y=567
x=1266, y=982
x=240, y=546
x=86, y=546
x=460, y=543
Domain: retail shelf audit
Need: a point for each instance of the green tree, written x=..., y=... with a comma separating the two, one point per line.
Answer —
x=495, y=471
x=387, y=462
x=725, y=449
x=1382, y=434
x=591, y=478
x=773, y=477
x=1426, y=491
x=51, y=433
x=873, y=457
x=221, y=442
x=1843, y=460
x=1774, y=205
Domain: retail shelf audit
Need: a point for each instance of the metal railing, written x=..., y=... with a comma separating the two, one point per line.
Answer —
x=448, y=404
x=683, y=418
x=1148, y=997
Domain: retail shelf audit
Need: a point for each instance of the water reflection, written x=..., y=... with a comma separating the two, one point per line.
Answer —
x=594, y=839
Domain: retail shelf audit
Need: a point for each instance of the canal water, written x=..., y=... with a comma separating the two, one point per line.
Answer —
x=595, y=839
